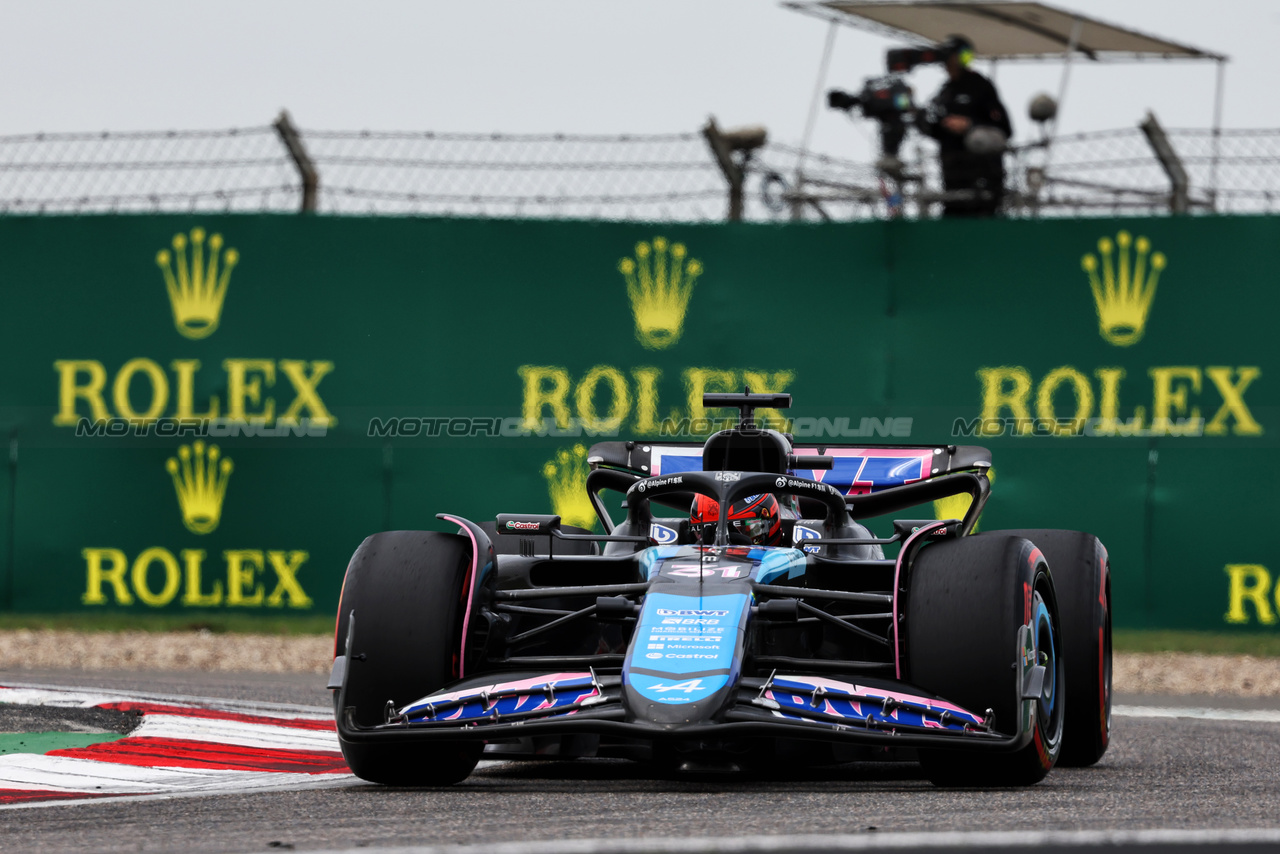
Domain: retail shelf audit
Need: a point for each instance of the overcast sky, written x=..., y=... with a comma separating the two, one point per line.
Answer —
x=560, y=65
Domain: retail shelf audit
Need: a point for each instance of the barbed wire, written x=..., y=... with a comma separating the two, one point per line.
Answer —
x=651, y=176
x=239, y=169
x=646, y=177
x=1234, y=171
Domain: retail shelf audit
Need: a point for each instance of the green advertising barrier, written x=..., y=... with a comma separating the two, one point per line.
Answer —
x=210, y=413
x=8, y=485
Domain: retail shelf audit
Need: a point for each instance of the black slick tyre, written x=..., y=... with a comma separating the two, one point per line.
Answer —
x=1082, y=579
x=406, y=592
x=966, y=601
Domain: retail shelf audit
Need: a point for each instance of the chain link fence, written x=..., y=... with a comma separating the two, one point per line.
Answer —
x=241, y=169
x=1118, y=171
x=640, y=177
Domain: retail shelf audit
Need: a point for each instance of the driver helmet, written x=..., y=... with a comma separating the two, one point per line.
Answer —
x=755, y=519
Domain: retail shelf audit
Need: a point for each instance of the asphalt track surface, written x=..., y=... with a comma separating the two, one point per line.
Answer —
x=1167, y=783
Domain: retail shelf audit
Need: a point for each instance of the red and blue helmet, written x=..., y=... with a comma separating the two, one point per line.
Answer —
x=756, y=519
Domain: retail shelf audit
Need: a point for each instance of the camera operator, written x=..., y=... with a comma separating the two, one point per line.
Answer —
x=972, y=163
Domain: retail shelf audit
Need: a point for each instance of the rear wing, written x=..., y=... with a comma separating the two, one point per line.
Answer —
x=874, y=480
x=855, y=470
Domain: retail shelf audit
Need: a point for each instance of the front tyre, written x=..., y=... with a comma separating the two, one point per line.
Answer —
x=1082, y=580
x=967, y=601
x=406, y=592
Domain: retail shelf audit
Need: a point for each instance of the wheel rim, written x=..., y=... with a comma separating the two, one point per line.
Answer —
x=1048, y=708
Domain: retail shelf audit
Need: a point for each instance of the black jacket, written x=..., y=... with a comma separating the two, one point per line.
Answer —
x=970, y=95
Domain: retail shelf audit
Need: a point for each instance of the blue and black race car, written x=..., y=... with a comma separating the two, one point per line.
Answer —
x=760, y=624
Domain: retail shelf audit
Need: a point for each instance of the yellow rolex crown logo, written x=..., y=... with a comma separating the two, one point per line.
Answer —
x=1124, y=293
x=196, y=285
x=566, y=476
x=200, y=479
x=659, y=284
x=955, y=506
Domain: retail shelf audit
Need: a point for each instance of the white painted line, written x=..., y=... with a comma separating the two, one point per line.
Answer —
x=67, y=774
x=319, y=781
x=70, y=775
x=983, y=840
x=238, y=733
x=56, y=699
x=1266, y=716
x=56, y=695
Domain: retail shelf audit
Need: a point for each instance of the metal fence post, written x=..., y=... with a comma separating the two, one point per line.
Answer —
x=723, y=144
x=1179, y=194
x=306, y=168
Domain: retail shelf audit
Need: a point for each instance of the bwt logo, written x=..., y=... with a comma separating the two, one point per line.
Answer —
x=667, y=612
x=803, y=533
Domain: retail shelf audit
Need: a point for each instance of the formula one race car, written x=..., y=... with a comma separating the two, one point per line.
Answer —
x=761, y=625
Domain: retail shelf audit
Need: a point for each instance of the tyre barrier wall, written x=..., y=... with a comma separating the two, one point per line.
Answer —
x=212, y=412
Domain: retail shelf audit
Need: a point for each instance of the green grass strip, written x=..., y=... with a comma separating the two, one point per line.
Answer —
x=43, y=742
x=1209, y=643
x=1263, y=645
x=216, y=622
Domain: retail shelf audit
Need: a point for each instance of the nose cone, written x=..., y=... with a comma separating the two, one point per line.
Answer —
x=685, y=656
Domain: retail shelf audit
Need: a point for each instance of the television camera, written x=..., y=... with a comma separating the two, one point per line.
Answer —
x=888, y=99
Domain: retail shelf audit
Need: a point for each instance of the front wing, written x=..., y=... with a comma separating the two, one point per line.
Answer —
x=790, y=706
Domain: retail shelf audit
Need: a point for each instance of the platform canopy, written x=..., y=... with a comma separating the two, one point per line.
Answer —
x=1003, y=30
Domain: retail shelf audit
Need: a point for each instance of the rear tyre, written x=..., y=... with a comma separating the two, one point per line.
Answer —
x=407, y=591
x=967, y=599
x=1082, y=580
